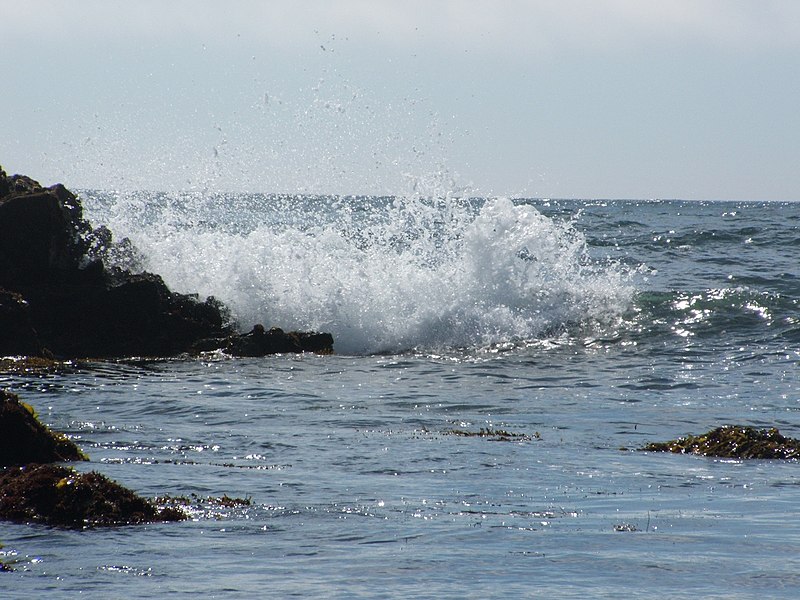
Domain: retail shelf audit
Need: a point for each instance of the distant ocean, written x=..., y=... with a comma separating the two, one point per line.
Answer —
x=582, y=329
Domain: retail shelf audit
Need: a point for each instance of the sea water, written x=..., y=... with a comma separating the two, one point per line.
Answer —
x=584, y=329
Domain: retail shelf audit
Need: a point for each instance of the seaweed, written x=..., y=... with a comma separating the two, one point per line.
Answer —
x=733, y=441
x=196, y=500
x=498, y=435
x=31, y=365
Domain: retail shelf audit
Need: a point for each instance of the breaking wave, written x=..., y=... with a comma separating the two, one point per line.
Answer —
x=381, y=274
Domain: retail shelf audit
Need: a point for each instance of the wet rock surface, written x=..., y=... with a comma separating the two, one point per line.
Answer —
x=23, y=439
x=58, y=298
x=733, y=441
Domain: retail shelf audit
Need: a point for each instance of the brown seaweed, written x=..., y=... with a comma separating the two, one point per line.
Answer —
x=498, y=435
x=733, y=441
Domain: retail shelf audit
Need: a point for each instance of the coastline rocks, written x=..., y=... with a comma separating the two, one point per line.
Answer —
x=62, y=497
x=17, y=335
x=733, y=441
x=58, y=298
x=260, y=342
x=23, y=439
x=34, y=491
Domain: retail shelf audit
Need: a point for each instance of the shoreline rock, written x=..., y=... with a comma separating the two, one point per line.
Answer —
x=24, y=439
x=62, y=497
x=260, y=342
x=59, y=299
x=33, y=490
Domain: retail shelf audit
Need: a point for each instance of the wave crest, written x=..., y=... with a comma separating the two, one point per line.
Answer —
x=380, y=274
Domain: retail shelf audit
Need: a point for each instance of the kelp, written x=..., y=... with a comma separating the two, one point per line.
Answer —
x=499, y=435
x=733, y=441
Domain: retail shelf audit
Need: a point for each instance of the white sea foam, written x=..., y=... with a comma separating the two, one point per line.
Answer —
x=379, y=274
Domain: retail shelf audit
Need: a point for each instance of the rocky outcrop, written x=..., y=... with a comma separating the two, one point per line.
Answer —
x=59, y=496
x=23, y=439
x=17, y=335
x=58, y=298
x=34, y=491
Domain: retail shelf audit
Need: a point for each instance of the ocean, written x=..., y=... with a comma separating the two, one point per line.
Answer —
x=498, y=363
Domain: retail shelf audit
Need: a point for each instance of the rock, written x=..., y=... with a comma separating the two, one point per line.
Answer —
x=23, y=439
x=33, y=491
x=58, y=298
x=39, y=233
x=64, y=301
x=733, y=441
x=136, y=315
x=17, y=335
x=62, y=497
x=260, y=342
x=275, y=341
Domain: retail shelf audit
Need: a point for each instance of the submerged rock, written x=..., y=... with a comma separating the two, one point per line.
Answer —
x=62, y=497
x=58, y=298
x=733, y=441
x=23, y=439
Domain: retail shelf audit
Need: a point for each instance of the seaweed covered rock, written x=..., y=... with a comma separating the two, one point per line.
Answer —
x=733, y=441
x=62, y=497
x=23, y=439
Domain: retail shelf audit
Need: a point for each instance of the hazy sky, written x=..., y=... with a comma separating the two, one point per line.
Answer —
x=585, y=99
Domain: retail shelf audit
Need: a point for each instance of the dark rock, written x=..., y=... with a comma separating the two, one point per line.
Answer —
x=59, y=299
x=733, y=441
x=62, y=497
x=5, y=185
x=260, y=342
x=55, y=495
x=17, y=335
x=23, y=439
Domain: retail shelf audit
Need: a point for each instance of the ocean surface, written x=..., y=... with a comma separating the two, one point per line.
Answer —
x=581, y=329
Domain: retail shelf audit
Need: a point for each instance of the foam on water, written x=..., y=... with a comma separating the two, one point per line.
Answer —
x=380, y=274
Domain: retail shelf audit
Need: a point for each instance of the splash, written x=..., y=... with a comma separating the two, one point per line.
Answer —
x=380, y=274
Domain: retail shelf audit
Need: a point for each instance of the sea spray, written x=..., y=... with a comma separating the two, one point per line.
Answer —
x=380, y=274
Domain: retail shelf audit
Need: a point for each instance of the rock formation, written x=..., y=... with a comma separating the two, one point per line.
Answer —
x=34, y=491
x=23, y=439
x=62, y=497
x=58, y=298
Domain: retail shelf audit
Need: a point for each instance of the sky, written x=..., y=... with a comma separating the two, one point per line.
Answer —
x=691, y=99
